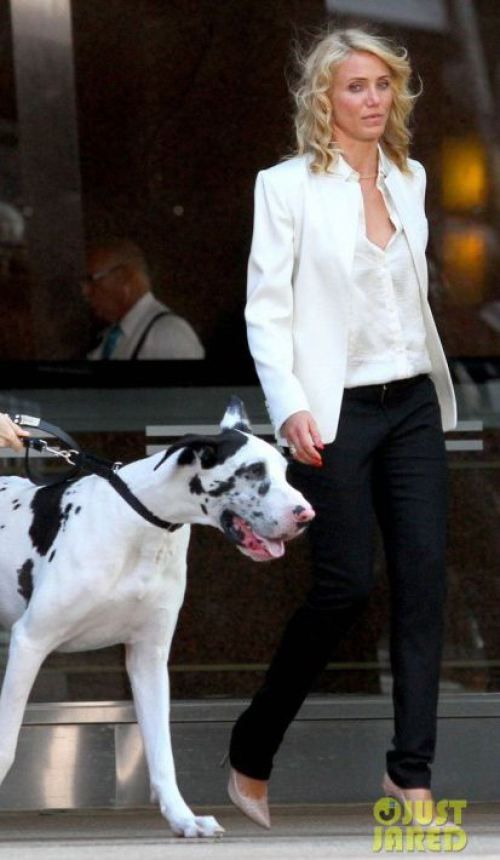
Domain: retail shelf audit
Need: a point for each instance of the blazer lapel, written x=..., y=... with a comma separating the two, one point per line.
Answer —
x=410, y=211
x=339, y=203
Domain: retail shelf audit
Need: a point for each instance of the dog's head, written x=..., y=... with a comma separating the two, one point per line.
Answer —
x=237, y=483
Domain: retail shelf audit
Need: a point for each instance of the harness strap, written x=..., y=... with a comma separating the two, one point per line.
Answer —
x=107, y=470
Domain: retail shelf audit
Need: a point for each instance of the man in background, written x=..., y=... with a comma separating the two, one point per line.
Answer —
x=117, y=286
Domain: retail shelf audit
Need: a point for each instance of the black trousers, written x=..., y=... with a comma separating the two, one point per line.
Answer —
x=387, y=462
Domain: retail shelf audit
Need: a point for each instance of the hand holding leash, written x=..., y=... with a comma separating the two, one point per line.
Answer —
x=11, y=435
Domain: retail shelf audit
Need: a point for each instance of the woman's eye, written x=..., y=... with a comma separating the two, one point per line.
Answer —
x=384, y=85
x=355, y=88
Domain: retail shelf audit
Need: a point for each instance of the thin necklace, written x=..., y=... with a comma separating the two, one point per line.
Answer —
x=367, y=175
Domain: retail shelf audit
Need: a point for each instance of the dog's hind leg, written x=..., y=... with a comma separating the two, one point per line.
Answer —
x=24, y=661
x=147, y=669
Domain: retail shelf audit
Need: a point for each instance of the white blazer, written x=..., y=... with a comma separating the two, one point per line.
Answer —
x=299, y=286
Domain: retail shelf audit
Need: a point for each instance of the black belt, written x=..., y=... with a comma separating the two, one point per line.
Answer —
x=385, y=389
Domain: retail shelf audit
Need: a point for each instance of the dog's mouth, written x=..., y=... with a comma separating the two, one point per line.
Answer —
x=240, y=532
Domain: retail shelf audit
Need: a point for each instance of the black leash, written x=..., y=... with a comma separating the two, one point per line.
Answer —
x=82, y=461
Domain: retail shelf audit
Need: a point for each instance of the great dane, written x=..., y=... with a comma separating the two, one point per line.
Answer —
x=80, y=569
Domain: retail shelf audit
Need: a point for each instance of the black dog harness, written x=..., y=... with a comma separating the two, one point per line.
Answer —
x=82, y=461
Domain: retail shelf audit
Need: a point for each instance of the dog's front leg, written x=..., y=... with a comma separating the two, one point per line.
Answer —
x=147, y=669
x=24, y=661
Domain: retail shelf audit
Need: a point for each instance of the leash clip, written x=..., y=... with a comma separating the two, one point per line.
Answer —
x=64, y=453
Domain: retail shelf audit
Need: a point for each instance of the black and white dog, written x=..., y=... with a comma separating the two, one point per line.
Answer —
x=80, y=569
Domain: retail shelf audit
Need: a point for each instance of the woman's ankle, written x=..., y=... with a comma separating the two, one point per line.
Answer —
x=251, y=787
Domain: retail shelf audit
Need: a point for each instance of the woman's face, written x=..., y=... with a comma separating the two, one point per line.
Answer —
x=361, y=97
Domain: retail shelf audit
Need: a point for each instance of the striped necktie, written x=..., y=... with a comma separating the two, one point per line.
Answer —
x=110, y=340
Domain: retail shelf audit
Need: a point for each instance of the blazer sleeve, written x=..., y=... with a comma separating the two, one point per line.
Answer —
x=421, y=177
x=269, y=308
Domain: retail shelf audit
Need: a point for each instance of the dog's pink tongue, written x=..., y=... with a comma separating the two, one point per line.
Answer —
x=275, y=548
x=261, y=546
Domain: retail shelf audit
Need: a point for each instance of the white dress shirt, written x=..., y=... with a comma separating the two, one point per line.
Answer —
x=171, y=336
x=387, y=339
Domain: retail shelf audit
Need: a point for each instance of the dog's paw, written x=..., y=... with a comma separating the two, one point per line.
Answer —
x=197, y=826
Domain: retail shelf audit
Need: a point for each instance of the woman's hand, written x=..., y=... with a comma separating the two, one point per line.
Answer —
x=302, y=434
x=11, y=434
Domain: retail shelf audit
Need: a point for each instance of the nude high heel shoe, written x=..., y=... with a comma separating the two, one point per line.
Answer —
x=256, y=809
x=390, y=789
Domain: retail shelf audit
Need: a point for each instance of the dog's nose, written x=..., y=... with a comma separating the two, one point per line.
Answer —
x=303, y=515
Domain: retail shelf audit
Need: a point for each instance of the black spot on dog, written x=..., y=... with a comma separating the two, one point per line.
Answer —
x=78, y=509
x=264, y=488
x=196, y=486
x=25, y=580
x=2, y=489
x=204, y=508
x=47, y=517
x=16, y=505
x=52, y=554
x=222, y=487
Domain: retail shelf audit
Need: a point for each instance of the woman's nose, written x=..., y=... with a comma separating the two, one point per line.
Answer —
x=373, y=96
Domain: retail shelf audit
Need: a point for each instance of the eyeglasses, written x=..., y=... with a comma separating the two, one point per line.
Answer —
x=95, y=277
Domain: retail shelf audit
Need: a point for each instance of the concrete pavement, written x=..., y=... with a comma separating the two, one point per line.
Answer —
x=298, y=833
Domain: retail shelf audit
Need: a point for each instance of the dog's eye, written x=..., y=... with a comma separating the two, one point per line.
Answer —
x=256, y=471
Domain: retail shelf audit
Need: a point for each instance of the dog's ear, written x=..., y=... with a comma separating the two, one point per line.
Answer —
x=235, y=417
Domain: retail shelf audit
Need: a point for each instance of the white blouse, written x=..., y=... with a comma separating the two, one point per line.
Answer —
x=387, y=338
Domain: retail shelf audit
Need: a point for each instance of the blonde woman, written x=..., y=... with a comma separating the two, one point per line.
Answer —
x=359, y=392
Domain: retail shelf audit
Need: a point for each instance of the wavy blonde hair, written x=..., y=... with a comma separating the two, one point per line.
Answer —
x=313, y=116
